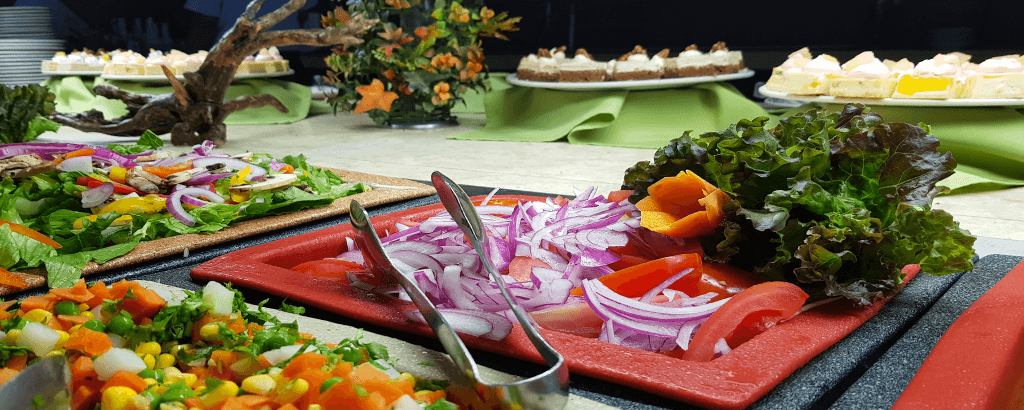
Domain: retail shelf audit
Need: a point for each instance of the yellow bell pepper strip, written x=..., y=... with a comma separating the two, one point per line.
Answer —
x=31, y=233
x=239, y=179
x=121, y=220
x=136, y=205
x=118, y=174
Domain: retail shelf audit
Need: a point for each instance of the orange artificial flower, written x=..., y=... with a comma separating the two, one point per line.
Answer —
x=394, y=39
x=389, y=74
x=485, y=14
x=374, y=96
x=338, y=18
x=446, y=61
x=421, y=31
x=398, y=4
x=459, y=13
x=404, y=88
x=442, y=94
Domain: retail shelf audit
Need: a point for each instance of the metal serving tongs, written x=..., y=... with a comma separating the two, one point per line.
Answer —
x=548, y=390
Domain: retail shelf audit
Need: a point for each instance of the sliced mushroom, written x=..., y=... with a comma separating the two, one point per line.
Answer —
x=144, y=181
x=269, y=182
x=245, y=156
x=16, y=164
x=156, y=155
x=30, y=171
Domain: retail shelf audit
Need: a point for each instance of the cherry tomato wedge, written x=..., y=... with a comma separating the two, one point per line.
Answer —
x=637, y=280
x=328, y=267
x=619, y=196
x=749, y=313
x=118, y=187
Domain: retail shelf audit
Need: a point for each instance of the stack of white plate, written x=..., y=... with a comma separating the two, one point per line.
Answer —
x=25, y=22
x=26, y=39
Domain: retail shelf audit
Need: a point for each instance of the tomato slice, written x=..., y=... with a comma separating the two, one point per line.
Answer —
x=747, y=314
x=328, y=267
x=637, y=280
x=725, y=280
x=521, y=267
x=619, y=196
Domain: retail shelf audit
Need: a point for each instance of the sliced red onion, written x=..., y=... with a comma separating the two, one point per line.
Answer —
x=79, y=164
x=472, y=322
x=256, y=172
x=206, y=177
x=47, y=150
x=178, y=212
x=96, y=196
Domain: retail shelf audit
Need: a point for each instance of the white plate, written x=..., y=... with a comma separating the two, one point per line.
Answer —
x=956, y=102
x=630, y=85
x=163, y=79
x=77, y=137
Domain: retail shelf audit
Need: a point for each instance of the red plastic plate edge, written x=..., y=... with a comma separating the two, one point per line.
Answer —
x=979, y=361
x=732, y=381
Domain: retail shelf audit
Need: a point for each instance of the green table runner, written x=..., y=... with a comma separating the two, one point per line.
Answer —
x=618, y=118
x=987, y=142
x=74, y=95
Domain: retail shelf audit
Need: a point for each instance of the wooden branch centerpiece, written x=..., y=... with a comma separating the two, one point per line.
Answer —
x=196, y=110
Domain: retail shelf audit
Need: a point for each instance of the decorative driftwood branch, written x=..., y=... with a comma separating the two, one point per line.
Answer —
x=196, y=110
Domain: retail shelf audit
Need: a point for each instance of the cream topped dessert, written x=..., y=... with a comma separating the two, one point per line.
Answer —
x=581, y=68
x=933, y=79
x=865, y=77
x=636, y=65
x=997, y=77
x=725, y=61
x=691, y=62
x=800, y=75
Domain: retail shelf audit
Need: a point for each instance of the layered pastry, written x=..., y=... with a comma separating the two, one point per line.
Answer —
x=581, y=68
x=636, y=65
x=998, y=77
x=538, y=67
x=76, y=61
x=800, y=75
x=125, y=63
x=725, y=61
x=865, y=77
x=690, y=63
x=933, y=79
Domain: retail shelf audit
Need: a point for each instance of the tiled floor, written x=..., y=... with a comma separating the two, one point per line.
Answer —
x=353, y=142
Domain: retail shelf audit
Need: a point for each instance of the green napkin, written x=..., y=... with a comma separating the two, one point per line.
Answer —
x=618, y=118
x=474, y=100
x=74, y=94
x=986, y=142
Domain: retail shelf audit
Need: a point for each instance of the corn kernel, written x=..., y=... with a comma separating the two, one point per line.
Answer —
x=190, y=379
x=150, y=381
x=55, y=352
x=152, y=348
x=117, y=398
x=64, y=336
x=210, y=331
x=164, y=361
x=84, y=307
x=74, y=328
x=291, y=391
x=149, y=360
x=315, y=407
x=38, y=316
x=226, y=390
x=259, y=384
x=118, y=174
x=87, y=315
x=12, y=337
x=158, y=389
x=174, y=405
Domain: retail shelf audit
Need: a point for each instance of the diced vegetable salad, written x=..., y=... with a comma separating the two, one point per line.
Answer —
x=63, y=205
x=131, y=348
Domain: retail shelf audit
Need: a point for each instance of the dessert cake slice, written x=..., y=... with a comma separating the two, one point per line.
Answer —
x=690, y=63
x=934, y=79
x=865, y=77
x=581, y=69
x=997, y=77
x=725, y=61
x=800, y=75
x=636, y=65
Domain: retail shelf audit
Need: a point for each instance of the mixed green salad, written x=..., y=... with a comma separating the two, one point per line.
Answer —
x=836, y=202
x=96, y=204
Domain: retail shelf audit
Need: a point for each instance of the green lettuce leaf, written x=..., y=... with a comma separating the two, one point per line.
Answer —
x=837, y=202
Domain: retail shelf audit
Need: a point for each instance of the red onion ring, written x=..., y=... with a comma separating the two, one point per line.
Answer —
x=97, y=196
x=175, y=208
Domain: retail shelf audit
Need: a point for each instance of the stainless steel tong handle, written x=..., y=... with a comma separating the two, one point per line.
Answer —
x=372, y=250
x=547, y=390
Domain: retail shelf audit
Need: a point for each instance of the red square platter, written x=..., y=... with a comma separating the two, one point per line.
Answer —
x=732, y=381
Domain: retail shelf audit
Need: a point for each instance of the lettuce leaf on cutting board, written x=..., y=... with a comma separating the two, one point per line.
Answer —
x=836, y=202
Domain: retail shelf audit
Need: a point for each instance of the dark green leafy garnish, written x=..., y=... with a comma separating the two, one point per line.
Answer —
x=835, y=202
